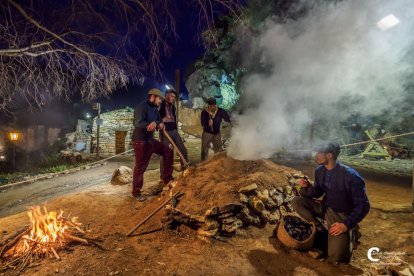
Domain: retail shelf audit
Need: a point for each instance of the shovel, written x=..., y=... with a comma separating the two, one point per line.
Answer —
x=186, y=165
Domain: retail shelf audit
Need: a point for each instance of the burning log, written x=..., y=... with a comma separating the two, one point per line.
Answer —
x=48, y=233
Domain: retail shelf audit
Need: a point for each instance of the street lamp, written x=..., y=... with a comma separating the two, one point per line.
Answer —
x=14, y=136
x=388, y=22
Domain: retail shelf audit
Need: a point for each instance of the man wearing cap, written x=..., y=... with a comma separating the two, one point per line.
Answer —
x=344, y=204
x=147, y=119
x=211, y=118
x=169, y=119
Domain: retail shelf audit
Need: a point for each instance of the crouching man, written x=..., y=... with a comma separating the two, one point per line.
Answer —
x=147, y=119
x=344, y=204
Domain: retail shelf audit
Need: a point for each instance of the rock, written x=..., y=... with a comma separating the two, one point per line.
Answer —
x=225, y=215
x=256, y=204
x=207, y=233
x=230, y=228
x=293, y=182
x=270, y=204
x=210, y=224
x=233, y=207
x=263, y=195
x=243, y=198
x=278, y=199
x=248, y=217
x=272, y=192
x=121, y=176
x=288, y=207
x=185, y=218
x=288, y=190
x=229, y=220
x=298, y=175
x=248, y=188
x=280, y=189
x=264, y=216
x=274, y=217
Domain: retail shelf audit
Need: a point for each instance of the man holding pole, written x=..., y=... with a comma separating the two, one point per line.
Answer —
x=168, y=113
x=211, y=119
x=147, y=119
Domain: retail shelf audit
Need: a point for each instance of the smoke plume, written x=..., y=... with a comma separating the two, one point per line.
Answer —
x=321, y=68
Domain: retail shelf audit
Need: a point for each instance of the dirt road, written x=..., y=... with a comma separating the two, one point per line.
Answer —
x=15, y=200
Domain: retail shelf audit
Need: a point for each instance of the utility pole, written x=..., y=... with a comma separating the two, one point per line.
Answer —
x=177, y=89
x=97, y=106
x=98, y=128
x=412, y=189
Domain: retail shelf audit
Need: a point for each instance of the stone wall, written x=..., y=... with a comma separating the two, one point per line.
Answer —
x=117, y=120
x=189, y=116
x=122, y=120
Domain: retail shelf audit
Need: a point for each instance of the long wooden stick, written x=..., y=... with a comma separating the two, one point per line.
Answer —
x=11, y=243
x=74, y=238
x=176, y=148
x=152, y=214
x=55, y=253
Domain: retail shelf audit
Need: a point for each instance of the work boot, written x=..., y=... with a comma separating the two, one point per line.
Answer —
x=140, y=198
x=158, y=188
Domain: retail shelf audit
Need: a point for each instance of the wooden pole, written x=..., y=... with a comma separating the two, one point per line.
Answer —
x=412, y=203
x=177, y=89
x=150, y=215
x=176, y=148
x=98, y=128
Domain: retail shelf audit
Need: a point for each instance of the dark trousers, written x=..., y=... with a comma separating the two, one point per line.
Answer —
x=143, y=151
x=206, y=140
x=339, y=247
x=179, y=143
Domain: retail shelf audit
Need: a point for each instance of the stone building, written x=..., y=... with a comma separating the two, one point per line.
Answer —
x=115, y=131
x=117, y=127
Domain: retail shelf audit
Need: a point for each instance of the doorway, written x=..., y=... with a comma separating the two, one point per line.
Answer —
x=120, y=141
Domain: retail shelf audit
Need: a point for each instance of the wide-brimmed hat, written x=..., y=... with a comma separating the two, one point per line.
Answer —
x=156, y=92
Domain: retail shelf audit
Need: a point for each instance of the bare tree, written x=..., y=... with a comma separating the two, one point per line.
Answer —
x=58, y=48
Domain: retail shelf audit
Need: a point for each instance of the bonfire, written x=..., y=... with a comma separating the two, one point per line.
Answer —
x=48, y=233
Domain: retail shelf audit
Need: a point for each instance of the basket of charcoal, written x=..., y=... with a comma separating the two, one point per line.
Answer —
x=296, y=233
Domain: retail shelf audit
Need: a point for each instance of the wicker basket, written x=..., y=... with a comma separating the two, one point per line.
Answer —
x=288, y=241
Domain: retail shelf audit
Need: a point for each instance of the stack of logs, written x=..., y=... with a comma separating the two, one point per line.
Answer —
x=256, y=206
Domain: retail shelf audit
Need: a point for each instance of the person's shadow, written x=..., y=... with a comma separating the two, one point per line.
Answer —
x=285, y=261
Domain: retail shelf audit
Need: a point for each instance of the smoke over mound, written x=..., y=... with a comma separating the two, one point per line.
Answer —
x=321, y=68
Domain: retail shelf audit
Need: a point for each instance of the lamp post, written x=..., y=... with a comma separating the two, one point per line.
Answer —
x=14, y=136
x=97, y=106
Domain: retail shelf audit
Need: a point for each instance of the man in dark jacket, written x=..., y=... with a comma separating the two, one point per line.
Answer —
x=168, y=114
x=147, y=119
x=344, y=204
x=211, y=119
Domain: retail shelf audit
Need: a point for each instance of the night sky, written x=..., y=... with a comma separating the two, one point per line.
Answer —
x=185, y=50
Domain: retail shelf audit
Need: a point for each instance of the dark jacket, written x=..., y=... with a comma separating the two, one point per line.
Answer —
x=343, y=190
x=218, y=117
x=144, y=114
x=169, y=125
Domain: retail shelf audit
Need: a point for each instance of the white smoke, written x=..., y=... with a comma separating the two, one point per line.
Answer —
x=336, y=51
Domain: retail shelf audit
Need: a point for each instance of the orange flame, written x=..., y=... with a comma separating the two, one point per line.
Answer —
x=46, y=227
